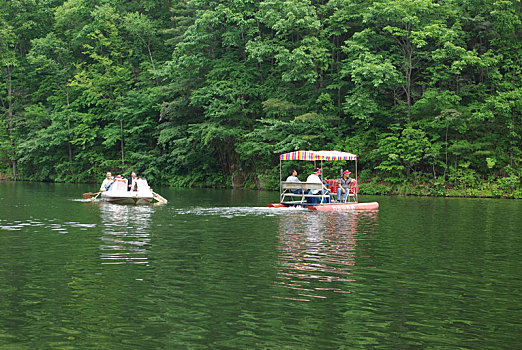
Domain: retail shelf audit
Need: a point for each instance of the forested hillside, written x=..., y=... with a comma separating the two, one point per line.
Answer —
x=208, y=93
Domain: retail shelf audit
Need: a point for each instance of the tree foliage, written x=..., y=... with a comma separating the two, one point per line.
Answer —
x=207, y=93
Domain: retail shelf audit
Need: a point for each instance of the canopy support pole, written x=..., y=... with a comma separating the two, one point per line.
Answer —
x=355, y=169
x=357, y=182
x=280, y=178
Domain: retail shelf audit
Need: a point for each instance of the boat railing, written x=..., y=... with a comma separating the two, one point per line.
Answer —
x=333, y=186
x=302, y=191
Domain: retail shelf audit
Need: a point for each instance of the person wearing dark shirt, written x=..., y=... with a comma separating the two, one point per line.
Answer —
x=345, y=183
x=131, y=182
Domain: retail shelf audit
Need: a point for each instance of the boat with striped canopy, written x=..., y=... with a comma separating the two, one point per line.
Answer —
x=301, y=194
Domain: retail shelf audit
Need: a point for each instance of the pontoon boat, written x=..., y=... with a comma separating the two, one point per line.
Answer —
x=300, y=194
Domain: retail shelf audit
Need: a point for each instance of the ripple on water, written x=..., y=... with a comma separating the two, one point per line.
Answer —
x=125, y=234
x=45, y=224
x=318, y=253
x=230, y=212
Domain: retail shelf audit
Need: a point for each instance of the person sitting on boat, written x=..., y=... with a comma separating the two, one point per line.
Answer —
x=345, y=183
x=120, y=183
x=314, y=178
x=293, y=177
x=107, y=182
x=132, y=184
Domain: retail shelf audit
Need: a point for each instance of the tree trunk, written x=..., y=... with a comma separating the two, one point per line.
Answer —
x=122, y=152
x=67, y=91
x=69, y=148
x=409, y=69
x=339, y=105
x=150, y=55
x=407, y=51
x=69, y=145
x=10, y=119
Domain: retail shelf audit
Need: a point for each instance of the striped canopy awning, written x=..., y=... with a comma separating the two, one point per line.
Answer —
x=317, y=155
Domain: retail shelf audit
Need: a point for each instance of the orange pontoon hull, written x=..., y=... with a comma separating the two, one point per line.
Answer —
x=276, y=205
x=333, y=206
x=344, y=206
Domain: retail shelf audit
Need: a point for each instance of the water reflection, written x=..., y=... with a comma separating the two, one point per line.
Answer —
x=43, y=225
x=318, y=252
x=125, y=233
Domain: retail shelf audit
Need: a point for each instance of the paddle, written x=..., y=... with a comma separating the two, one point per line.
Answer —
x=92, y=196
x=89, y=195
x=97, y=194
x=159, y=198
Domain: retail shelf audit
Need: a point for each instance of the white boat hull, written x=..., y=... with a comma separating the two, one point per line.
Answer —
x=118, y=193
x=130, y=197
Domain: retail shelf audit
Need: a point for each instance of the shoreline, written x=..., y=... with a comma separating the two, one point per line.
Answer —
x=487, y=190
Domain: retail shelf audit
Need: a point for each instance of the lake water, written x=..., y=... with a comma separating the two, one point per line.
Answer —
x=217, y=269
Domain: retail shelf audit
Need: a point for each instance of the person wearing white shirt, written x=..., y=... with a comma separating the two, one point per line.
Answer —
x=293, y=177
x=107, y=182
x=314, y=178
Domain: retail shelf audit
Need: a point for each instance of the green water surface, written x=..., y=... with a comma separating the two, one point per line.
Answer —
x=216, y=269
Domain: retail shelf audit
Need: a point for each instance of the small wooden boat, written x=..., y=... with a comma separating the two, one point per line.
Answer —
x=117, y=193
x=313, y=195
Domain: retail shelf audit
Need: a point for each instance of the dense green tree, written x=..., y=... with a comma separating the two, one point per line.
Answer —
x=207, y=93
